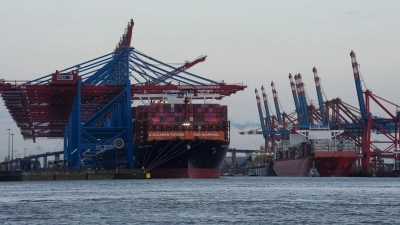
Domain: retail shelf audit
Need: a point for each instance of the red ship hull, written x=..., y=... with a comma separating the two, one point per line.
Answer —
x=293, y=168
x=328, y=164
x=204, y=172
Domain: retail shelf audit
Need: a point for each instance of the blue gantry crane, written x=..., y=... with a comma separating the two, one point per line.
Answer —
x=89, y=104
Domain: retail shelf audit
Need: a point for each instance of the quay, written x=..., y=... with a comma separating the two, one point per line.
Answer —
x=40, y=168
x=53, y=175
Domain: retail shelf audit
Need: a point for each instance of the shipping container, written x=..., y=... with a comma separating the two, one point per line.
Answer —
x=166, y=122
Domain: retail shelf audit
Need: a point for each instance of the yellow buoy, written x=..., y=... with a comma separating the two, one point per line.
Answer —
x=147, y=175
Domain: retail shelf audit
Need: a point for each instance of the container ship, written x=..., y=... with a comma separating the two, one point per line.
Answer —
x=180, y=140
x=260, y=163
x=316, y=148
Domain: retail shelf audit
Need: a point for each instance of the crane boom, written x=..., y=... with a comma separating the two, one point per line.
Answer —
x=358, y=84
x=295, y=98
x=319, y=95
x=278, y=111
x=298, y=89
x=302, y=98
x=260, y=112
x=186, y=66
x=266, y=106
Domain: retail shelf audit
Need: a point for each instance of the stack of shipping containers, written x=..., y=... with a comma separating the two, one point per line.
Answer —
x=162, y=121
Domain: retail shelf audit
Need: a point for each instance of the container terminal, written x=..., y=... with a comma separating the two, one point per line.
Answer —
x=333, y=137
x=89, y=105
x=123, y=111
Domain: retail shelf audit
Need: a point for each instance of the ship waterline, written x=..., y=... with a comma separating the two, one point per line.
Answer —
x=326, y=166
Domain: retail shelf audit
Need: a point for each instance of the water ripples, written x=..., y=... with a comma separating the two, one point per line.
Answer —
x=232, y=200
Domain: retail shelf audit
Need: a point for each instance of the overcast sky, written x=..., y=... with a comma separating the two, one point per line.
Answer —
x=250, y=42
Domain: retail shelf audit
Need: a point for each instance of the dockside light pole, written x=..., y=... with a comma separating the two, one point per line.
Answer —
x=12, y=149
x=8, y=148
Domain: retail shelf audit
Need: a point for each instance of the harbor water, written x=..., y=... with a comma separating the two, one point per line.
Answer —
x=228, y=200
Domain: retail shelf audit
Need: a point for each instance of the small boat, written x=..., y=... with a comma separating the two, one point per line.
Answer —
x=252, y=173
x=313, y=172
x=227, y=174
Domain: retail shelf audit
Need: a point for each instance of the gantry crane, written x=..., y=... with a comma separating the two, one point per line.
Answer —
x=89, y=103
x=389, y=127
x=358, y=122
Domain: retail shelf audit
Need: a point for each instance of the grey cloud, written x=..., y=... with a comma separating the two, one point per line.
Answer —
x=247, y=124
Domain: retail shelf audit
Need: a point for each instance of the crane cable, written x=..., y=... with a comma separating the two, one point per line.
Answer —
x=162, y=160
x=144, y=159
x=156, y=160
x=175, y=155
